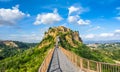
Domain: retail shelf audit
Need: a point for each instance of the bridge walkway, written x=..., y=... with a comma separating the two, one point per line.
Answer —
x=60, y=63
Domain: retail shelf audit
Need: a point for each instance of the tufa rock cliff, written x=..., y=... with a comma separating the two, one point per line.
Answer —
x=10, y=43
x=66, y=35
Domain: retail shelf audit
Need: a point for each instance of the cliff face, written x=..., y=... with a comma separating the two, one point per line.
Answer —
x=10, y=43
x=65, y=34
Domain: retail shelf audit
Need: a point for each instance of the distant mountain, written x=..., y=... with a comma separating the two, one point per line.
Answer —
x=107, y=41
x=10, y=48
x=111, y=50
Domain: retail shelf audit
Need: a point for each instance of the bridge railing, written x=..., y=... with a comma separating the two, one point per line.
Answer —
x=46, y=62
x=90, y=65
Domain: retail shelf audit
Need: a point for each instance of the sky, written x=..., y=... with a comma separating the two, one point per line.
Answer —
x=26, y=21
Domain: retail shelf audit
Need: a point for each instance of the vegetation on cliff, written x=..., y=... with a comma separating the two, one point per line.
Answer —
x=31, y=59
x=11, y=48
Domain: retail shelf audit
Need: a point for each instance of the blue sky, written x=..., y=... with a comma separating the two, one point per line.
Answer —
x=27, y=21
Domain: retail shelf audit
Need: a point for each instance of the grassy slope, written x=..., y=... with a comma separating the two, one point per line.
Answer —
x=8, y=51
x=31, y=59
x=83, y=51
x=28, y=61
x=112, y=51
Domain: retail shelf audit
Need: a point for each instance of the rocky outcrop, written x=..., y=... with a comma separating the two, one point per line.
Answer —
x=10, y=43
x=76, y=36
x=70, y=36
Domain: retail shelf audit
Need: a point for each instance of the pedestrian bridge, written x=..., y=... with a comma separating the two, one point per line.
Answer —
x=61, y=60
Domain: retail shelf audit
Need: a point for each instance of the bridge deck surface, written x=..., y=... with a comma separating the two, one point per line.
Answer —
x=60, y=63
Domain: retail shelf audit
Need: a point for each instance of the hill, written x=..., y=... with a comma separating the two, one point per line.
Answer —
x=111, y=50
x=31, y=59
x=71, y=40
x=11, y=48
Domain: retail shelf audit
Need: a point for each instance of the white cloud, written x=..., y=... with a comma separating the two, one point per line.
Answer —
x=35, y=36
x=95, y=28
x=77, y=20
x=89, y=36
x=118, y=13
x=48, y=18
x=118, y=8
x=118, y=18
x=83, y=22
x=73, y=9
x=115, y=35
x=73, y=19
x=11, y=16
x=106, y=35
x=117, y=31
x=26, y=37
x=77, y=10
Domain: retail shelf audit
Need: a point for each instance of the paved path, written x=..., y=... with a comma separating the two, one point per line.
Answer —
x=60, y=63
